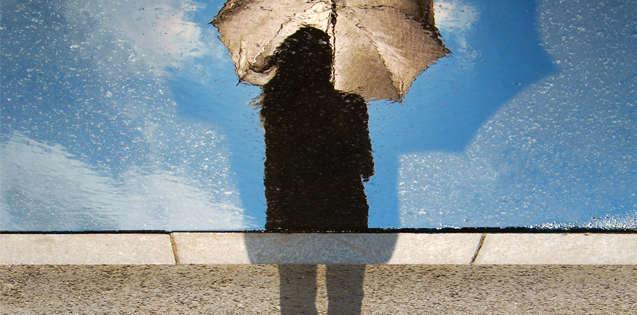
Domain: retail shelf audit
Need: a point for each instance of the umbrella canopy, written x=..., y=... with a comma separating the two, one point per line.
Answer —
x=380, y=46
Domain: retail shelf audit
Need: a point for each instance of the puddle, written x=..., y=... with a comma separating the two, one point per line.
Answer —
x=129, y=115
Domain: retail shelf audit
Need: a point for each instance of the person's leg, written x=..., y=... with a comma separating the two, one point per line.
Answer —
x=345, y=289
x=297, y=289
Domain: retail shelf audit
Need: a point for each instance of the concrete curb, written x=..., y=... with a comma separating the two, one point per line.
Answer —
x=85, y=249
x=558, y=249
x=317, y=248
x=332, y=248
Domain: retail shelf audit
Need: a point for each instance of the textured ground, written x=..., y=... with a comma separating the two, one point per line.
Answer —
x=255, y=289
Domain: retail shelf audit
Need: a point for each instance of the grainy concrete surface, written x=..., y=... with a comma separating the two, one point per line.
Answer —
x=255, y=289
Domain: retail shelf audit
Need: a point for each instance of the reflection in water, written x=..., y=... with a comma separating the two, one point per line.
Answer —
x=317, y=139
x=318, y=148
x=92, y=132
x=317, y=142
x=379, y=46
x=474, y=112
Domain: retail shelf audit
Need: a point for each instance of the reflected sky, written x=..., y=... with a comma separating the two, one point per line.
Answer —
x=128, y=115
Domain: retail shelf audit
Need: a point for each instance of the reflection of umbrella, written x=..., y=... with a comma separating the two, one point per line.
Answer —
x=380, y=46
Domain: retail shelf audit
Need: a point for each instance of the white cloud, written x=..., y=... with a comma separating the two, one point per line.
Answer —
x=562, y=150
x=626, y=221
x=455, y=20
x=445, y=189
x=161, y=33
x=454, y=15
x=538, y=159
x=51, y=189
x=180, y=203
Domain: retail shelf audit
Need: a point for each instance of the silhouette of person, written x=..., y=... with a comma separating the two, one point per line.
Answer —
x=318, y=152
x=318, y=149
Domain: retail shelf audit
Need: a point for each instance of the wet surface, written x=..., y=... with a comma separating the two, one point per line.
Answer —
x=127, y=115
x=318, y=62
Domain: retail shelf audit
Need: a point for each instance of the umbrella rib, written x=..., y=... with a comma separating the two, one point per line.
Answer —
x=334, y=16
x=290, y=19
x=270, y=41
x=254, y=60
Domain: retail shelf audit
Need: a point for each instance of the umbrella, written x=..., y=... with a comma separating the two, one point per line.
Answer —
x=380, y=46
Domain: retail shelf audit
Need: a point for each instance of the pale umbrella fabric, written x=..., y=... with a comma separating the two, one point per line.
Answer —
x=380, y=46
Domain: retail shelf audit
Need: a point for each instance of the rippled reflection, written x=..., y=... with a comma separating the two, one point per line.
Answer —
x=127, y=115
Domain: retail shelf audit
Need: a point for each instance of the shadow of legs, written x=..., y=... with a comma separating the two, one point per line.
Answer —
x=298, y=289
x=345, y=289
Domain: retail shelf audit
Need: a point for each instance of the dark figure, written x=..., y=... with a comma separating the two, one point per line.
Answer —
x=344, y=284
x=318, y=148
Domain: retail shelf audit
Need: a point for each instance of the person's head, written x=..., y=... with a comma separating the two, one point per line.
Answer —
x=305, y=54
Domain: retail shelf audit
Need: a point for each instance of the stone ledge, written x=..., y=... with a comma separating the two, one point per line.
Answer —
x=558, y=249
x=316, y=248
x=329, y=248
x=85, y=249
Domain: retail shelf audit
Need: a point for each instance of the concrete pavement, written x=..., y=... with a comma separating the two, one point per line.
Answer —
x=255, y=289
